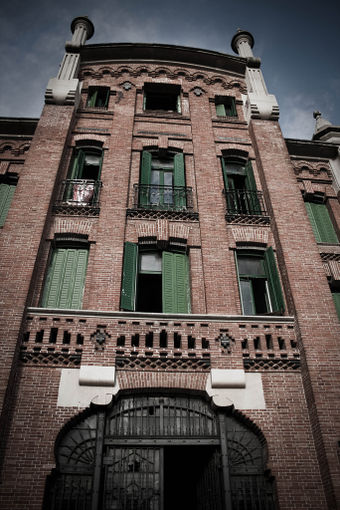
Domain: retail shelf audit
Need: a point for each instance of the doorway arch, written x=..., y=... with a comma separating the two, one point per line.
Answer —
x=157, y=451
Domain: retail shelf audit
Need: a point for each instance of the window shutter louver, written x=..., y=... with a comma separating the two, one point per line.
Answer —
x=6, y=195
x=179, y=180
x=128, y=293
x=65, y=279
x=175, y=283
x=321, y=223
x=79, y=278
x=274, y=284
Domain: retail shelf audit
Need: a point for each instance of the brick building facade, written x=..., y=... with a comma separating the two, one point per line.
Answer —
x=170, y=273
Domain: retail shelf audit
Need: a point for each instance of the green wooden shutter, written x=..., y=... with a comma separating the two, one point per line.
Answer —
x=6, y=195
x=225, y=175
x=64, y=286
x=336, y=299
x=175, y=283
x=253, y=202
x=321, y=223
x=179, y=180
x=145, y=175
x=178, y=104
x=106, y=102
x=233, y=111
x=220, y=110
x=92, y=98
x=274, y=284
x=128, y=292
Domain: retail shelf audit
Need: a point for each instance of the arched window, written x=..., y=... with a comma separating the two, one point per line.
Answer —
x=159, y=452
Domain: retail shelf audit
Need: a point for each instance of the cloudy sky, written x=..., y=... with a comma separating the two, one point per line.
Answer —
x=297, y=41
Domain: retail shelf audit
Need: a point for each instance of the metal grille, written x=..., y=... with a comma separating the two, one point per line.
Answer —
x=155, y=196
x=126, y=458
x=162, y=417
x=245, y=202
x=132, y=478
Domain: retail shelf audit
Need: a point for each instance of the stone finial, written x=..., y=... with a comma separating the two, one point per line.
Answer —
x=82, y=29
x=320, y=122
x=242, y=43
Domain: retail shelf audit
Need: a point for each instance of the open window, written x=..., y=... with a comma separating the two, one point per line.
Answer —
x=259, y=282
x=162, y=97
x=225, y=106
x=83, y=182
x=8, y=184
x=155, y=281
x=162, y=181
x=336, y=299
x=321, y=222
x=65, y=278
x=240, y=187
x=98, y=97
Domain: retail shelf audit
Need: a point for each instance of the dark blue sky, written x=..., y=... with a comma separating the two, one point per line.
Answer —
x=298, y=44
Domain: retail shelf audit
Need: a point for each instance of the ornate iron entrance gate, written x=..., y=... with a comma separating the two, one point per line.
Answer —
x=157, y=453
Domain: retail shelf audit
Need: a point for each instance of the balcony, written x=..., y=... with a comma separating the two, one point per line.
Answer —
x=245, y=206
x=78, y=197
x=154, y=200
x=160, y=342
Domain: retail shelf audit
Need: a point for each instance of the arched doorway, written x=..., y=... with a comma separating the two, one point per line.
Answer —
x=159, y=452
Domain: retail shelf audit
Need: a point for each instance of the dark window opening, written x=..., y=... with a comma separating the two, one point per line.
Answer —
x=149, y=293
x=98, y=97
x=225, y=106
x=162, y=97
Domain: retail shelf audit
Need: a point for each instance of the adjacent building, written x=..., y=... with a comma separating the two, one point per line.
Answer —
x=170, y=289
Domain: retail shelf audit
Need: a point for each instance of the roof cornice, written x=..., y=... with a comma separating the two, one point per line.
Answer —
x=161, y=53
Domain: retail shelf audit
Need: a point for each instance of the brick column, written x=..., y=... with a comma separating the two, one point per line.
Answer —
x=309, y=297
x=218, y=264
x=22, y=234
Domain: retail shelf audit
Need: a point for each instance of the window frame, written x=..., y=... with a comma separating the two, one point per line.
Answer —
x=274, y=296
x=58, y=281
x=94, y=95
x=220, y=104
x=158, y=91
x=178, y=188
x=175, y=275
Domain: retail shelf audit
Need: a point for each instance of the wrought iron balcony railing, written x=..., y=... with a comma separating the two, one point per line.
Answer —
x=79, y=192
x=243, y=202
x=168, y=198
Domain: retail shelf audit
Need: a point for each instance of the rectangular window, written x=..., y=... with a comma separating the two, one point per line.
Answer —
x=162, y=97
x=98, y=97
x=155, y=281
x=321, y=222
x=259, y=283
x=162, y=181
x=7, y=189
x=225, y=106
x=65, y=279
